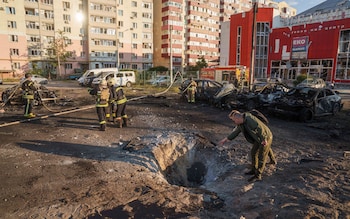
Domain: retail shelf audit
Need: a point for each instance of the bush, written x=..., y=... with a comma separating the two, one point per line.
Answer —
x=299, y=79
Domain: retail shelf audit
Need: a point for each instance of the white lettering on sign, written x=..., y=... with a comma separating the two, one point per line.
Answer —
x=299, y=42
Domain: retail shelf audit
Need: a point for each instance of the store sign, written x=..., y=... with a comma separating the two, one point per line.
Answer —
x=300, y=47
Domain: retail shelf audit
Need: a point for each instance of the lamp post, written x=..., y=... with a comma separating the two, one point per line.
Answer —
x=252, y=54
x=171, y=54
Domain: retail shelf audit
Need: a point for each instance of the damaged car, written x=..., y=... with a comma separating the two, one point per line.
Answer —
x=260, y=98
x=206, y=89
x=13, y=95
x=306, y=103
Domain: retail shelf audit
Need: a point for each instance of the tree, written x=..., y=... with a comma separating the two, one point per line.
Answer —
x=158, y=68
x=201, y=63
x=58, y=51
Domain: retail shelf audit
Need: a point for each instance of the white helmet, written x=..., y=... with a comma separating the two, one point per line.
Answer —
x=111, y=82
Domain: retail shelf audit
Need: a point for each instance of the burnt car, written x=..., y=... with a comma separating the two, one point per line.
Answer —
x=13, y=95
x=306, y=103
x=206, y=89
x=259, y=98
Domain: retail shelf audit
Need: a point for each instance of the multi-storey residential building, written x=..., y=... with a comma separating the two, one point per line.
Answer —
x=191, y=29
x=97, y=34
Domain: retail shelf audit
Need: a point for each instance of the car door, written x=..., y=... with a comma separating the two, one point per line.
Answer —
x=323, y=104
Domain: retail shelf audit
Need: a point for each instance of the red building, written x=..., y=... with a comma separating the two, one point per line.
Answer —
x=319, y=49
x=241, y=40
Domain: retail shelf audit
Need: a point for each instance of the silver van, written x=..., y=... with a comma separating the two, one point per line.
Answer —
x=122, y=78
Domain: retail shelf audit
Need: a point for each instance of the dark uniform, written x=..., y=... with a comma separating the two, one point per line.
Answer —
x=191, y=91
x=256, y=132
x=119, y=98
x=102, y=94
x=29, y=90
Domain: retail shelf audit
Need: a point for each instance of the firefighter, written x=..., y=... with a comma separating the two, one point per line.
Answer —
x=191, y=91
x=29, y=90
x=111, y=103
x=102, y=94
x=118, y=96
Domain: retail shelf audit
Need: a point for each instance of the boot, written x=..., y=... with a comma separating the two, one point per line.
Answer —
x=119, y=122
x=103, y=127
x=125, y=122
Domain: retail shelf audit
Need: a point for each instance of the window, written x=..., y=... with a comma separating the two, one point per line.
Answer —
x=134, y=25
x=133, y=4
x=34, y=52
x=147, y=5
x=11, y=24
x=14, y=52
x=134, y=35
x=133, y=15
x=32, y=25
x=67, y=29
x=66, y=6
x=120, y=24
x=16, y=65
x=68, y=66
x=10, y=10
x=13, y=38
x=47, y=2
x=34, y=39
x=66, y=17
x=238, y=50
x=134, y=45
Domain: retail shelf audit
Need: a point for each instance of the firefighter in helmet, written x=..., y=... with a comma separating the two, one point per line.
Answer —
x=191, y=91
x=29, y=89
x=102, y=94
x=118, y=97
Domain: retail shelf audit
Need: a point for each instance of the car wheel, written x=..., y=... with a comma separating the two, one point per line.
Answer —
x=336, y=108
x=128, y=84
x=306, y=115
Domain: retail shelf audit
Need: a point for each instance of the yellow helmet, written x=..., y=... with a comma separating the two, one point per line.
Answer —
x=111, y=82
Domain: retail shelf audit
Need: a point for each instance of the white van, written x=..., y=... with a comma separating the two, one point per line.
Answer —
x=89, y=75
x=122, y=78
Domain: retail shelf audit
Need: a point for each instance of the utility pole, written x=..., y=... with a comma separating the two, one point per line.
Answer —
x=171, y=54
x=252, y=54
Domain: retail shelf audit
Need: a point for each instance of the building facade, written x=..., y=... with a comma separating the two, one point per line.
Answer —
x=318, y=49
x=97, y=34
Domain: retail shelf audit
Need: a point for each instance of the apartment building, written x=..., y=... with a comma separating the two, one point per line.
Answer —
x=186, y=30
x=97, y=34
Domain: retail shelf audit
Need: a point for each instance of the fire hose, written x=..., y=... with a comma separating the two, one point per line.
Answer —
x=71, y=110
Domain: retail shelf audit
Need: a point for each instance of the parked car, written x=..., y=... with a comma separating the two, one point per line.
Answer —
x=306, y=103
x=75, y=76
x=206, y=89
x=162, y=80
x=313, y=82
x=37, y=79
